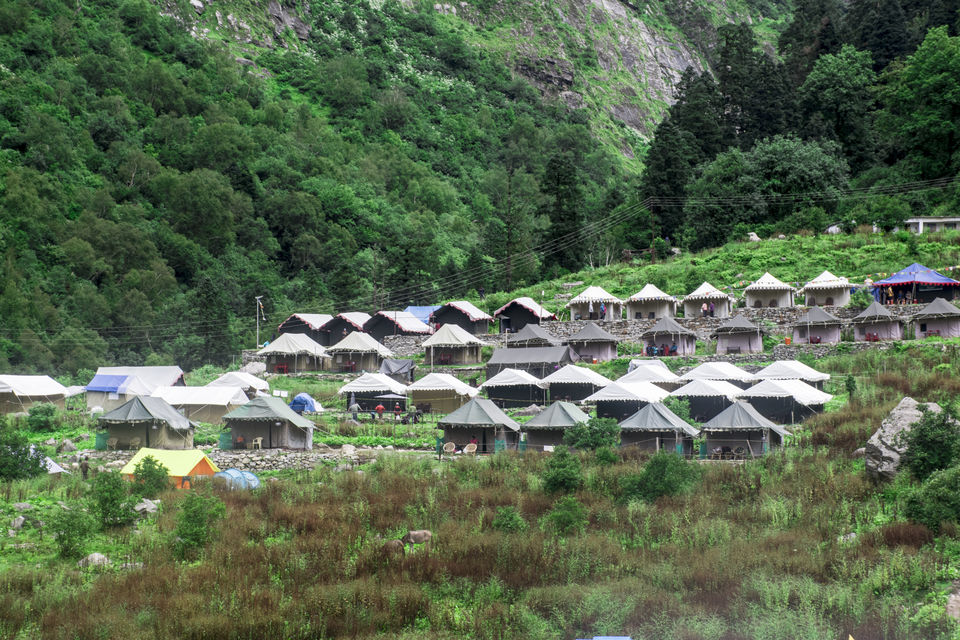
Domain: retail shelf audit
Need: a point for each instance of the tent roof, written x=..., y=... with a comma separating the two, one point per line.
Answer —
x=179, y=462
x=651, y=291
x=360, y=343
x=118, y=384
x=708, y=389
x=468, y=309
x=656, y=363
x=404, y=320
x=826, y=280
x=874, y=313
x=816, y=315
x=393, y=366
x=513, y=378
x=532, y=332
x=591, y=333
x=443, y=382
x=354, y=318
x=422, y=313
x=533, y=355
x=918, y=274
x=645, y=391
x=479, y=412
x=452, y=335
x=593, y=294
x=150, y=377
x=737, y=324
x=791, y=370
x=649, y=374
x=796, y=389
x=706, y=291
x=767, y=282
x=312, y=320
x=299, y=344
x=667, y=325
x=267, y=408
x=31, y=386
x=147, y=409
x=559, y=415
x=741, y=415
x=211, y=396
x=656, y=416
x=530, y=305
x=240, y=379
x=370, y=382
x=572, y=374
x=718, y=371
x=939, y=308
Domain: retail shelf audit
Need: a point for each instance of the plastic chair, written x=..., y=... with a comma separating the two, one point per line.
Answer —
x=256, y=443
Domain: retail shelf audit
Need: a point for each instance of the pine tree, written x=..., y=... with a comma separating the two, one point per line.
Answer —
x=812, y=32
x=880, y=27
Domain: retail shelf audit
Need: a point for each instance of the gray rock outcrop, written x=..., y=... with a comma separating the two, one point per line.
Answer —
x=885, y=446
x=94, y=560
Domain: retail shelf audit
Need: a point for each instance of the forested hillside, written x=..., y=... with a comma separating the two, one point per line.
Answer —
x=377, y=155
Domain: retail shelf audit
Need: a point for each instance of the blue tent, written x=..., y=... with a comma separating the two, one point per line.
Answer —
x=237, y=479
x=422, y=313
x=302, y=402
x=920, y=282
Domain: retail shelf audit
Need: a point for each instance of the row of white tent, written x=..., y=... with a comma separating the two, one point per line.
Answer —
x=649, y=381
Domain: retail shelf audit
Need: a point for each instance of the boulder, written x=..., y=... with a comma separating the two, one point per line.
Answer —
x=50, y=442
x=94, y=560
x=885, y=447
x=953, y=602
x=68, y=446
x=17, y=523
x=752, y=237
x=859, y=453
x=146, y=506
x=23, y=506
x=347, y=450
x=11, y=533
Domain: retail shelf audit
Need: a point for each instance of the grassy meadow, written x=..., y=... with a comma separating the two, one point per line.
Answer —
x=751, y=551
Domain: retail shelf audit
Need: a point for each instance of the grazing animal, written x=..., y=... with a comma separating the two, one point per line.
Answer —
x=394, y=547
x=421, y=536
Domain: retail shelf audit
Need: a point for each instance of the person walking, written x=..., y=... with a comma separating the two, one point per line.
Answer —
x=355, y=410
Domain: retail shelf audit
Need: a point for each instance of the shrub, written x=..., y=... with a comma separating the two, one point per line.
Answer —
x=198, y=514
x=596, y=433
x=150, y=478
x=932, y=443
x=606, y=456
x=679, y=405
x=860, y=299
x=563, y=472
x=71, y=528
x=937, y=500
x=18, y=459
x=666, y=474
x=568, y=516
x=42, y=417
x=509, y=520
x=111, y=503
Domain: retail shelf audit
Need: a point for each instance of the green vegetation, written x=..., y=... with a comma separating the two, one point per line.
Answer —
x=197, y=521
x=597, y=433
x=150, y=478
x=17, y=458
x=562, y=472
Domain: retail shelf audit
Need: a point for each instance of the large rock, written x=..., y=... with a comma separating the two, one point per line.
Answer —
x=885, y=447
x=17, y=523
x=347, y=450
x=146, y=506
x=68, y=446
x=94, y=560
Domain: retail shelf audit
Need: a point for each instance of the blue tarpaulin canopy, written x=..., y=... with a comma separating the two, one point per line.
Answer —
x=422, y=313
x=918, y=274
x=107, y=383
x=303, y=402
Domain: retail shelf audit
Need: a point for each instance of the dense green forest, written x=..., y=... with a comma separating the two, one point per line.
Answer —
x=151, y=186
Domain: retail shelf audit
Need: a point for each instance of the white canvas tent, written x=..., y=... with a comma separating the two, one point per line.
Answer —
x=786, y=401
x=515, y=388
x=292, y=352
x=441, y=391
x=650, y=303
x=574, y=383
x=826, y=290
x=622, y=399
x=587, y=305
x=368, y=386
x=769, y=292
x=111, y=387
x=19, y=393
x=452, y=344
x=707, y=397
x=720, y=371
x=250, y=383
x=202, y=404
x=358, y=352
x=708, y=293
x=793, y=370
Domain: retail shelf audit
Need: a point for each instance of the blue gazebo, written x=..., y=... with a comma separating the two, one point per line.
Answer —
x=916, y=283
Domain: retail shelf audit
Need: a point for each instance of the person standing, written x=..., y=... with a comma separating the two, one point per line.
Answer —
x=711, y=309
x=396, y=411
x=703, y=309
x=84, y=467
x=355, y=410
x=380, y=409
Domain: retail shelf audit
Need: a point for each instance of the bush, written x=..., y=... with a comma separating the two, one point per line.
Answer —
x=17, y=459
x=666, y=474
x=932, y=443
x=42, y=417
x=563, y=472
x=937, y=500
x=596, y=433
x=71, y=528
x=568, y=516
x=111, y=503
x=198, y=514
x=509, y=520
x=150, y=478
x=606, y=456
x=860, y=299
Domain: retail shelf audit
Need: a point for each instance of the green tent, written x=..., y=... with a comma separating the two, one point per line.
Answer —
x=270, y=420
x=152, y=421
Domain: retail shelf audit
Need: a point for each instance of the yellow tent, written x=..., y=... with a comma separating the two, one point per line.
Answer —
x=179, y=463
